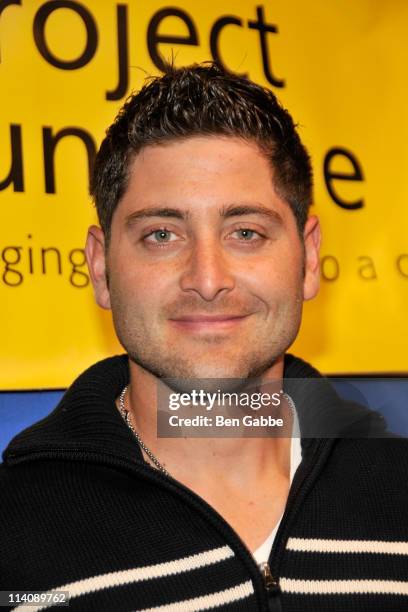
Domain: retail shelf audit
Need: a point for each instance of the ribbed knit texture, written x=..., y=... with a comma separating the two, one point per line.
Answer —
x=80, y=507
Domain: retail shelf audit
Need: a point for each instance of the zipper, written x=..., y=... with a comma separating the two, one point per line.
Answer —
x=272, y=588
x=265, y=576
x=269, y=580
x=303, y=480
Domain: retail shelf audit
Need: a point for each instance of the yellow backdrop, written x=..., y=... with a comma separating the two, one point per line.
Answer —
x=339, y=67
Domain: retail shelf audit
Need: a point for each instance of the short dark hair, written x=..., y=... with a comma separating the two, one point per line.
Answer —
x=202, y=99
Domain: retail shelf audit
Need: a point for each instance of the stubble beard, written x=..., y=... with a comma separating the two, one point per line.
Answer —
x=183, y=373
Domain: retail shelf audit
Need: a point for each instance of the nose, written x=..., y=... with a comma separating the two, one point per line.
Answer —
x=207, y=271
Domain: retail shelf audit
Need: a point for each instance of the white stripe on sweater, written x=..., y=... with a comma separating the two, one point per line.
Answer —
x=347, y=546
x=159, y=570
x=344, y=587
x=241, y=591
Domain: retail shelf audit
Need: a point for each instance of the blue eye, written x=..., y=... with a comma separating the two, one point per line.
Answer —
x=161, y=235
x=246, y=233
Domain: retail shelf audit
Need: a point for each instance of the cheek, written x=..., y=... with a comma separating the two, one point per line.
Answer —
x=281, y=275
x=140, y=289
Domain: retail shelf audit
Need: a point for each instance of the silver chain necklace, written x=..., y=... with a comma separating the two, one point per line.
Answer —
x=125, y=414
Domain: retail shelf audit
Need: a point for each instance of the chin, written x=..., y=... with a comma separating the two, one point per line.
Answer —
x=228, y=370
x=209, y=371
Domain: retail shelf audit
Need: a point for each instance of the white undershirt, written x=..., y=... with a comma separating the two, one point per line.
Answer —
x=261, y=554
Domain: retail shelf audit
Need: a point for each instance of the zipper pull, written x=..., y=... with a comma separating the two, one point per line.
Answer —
x=269, y=580
x=272, y=588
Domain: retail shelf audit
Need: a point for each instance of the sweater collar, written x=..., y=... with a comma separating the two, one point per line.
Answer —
x=86, y=418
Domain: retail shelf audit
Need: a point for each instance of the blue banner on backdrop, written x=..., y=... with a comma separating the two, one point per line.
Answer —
x=388, y=396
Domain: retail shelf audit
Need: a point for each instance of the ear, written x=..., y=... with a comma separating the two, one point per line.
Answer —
x=95, y=257
x=311, y=238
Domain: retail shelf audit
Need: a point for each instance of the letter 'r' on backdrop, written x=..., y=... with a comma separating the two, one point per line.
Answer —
x=65, y=69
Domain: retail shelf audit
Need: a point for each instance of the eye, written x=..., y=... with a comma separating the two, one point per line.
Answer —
x=159, y=236
x=247, y=235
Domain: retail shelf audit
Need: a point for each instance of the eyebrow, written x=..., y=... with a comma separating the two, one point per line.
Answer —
x=156, y=211
x=232, y=210
x=238, y=210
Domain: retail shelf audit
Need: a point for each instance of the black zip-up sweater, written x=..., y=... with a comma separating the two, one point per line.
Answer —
x=82, y=511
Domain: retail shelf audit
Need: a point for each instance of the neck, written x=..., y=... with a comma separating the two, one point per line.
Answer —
x=241, y=459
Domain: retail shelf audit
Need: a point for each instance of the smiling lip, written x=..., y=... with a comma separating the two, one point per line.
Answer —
x=207, y=321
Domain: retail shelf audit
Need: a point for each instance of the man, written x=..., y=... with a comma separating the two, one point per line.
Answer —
x=205, y=255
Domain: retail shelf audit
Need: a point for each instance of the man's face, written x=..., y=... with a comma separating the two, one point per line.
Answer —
x=205, y=263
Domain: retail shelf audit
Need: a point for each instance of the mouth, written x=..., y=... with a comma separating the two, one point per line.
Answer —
x=208, y=322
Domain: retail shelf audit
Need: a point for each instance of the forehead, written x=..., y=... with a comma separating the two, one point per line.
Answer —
x=201, y=173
